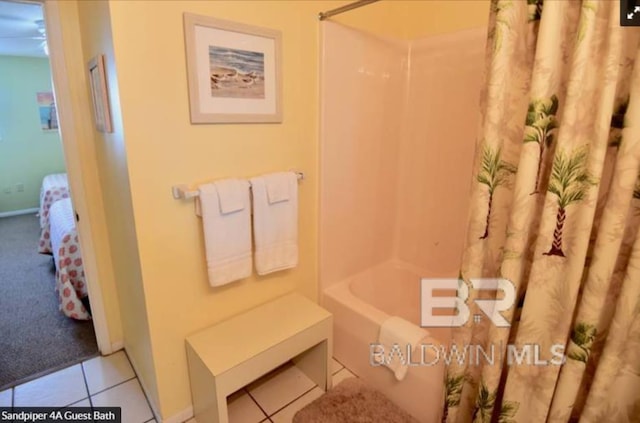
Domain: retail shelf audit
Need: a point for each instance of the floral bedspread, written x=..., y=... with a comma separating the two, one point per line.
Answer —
x=54, y=187
x=70, y=279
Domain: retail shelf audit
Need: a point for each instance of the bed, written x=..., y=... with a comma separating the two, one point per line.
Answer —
x=54, y=187
x=70, y=281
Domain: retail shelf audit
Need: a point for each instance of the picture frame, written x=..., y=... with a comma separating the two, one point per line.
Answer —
x=47, y=111
x=234, y=71
x=99, y=94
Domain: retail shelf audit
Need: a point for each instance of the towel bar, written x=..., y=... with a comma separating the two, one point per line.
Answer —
x=182, y=192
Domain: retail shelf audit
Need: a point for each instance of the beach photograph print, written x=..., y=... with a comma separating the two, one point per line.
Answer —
x=47, y=111
x=236, y=73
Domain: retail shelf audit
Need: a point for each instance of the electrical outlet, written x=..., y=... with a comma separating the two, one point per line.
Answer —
x=20, y=187
x=7, y=190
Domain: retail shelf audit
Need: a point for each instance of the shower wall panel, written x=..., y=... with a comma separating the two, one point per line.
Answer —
x=363, y=89
x=436, y=153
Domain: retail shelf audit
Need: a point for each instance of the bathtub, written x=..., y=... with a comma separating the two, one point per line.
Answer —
x=359, y=305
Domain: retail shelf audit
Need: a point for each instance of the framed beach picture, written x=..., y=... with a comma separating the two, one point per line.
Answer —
x=47, y=111
x=99, y=94
x=233, y=71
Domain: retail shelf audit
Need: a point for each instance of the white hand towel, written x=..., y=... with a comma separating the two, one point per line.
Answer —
x=226, y=220
x=395, y=331
x=277, y=189
x=232, y=195
x=275, y=221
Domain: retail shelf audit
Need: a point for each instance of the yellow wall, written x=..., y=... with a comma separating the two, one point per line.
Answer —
x=430, y=17
x=410, y=19
x=111, y=157
x=163, y=149
x=162, y=284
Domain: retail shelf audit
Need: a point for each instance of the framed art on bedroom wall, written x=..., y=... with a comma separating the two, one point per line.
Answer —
x=47, y=111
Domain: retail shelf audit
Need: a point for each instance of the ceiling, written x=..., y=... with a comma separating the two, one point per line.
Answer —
x=20, y=32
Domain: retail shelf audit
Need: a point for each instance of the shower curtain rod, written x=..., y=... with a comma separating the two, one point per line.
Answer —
x=324, y=15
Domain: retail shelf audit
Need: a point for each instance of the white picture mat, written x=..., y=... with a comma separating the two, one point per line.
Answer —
x=205, y=37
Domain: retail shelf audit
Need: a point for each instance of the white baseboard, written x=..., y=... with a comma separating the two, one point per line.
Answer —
x=19, y=212
x=117, y=346
x=154, y=407
x=112, y=348
x=180, y=417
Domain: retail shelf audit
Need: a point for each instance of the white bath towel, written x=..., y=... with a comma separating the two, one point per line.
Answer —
x=401, y=335
x=275, y=221
x=226, y=220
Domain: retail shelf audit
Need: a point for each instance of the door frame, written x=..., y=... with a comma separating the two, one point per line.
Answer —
x=72, y=131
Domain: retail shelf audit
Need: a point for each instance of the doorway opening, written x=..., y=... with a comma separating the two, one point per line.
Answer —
x=45, y=314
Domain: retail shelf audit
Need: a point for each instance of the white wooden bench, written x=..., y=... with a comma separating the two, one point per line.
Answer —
x=231, y=354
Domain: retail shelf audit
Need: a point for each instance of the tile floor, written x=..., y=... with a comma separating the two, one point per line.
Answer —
x=111, y=381
x=98, y=382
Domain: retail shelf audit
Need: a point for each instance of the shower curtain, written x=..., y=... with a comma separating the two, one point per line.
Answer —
x=555, y=211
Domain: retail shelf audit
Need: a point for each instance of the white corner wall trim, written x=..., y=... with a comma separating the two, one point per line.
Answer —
x=180, y=417
x=154, y=407
x=116, y=346
x=18, y=212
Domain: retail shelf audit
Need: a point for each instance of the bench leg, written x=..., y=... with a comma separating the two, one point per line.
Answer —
x=209, y=401
x=315, y=364
x=216, y=410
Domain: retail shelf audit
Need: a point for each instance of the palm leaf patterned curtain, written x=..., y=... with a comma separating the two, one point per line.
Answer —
x=556, y=210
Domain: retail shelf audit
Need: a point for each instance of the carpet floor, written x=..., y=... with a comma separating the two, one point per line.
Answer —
x=35, y=337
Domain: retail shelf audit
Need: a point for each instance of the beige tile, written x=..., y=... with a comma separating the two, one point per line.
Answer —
x=130, y=397
x=335, y=366
x=242, y=409
x=280, y=387
x=57, y=389
x=342, y=375
x=105, y=372
x=286, y=414
x=5, y=398
x=84, y=403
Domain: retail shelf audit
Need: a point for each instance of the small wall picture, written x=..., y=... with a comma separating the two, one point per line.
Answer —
x=233, y=71
x=47, y=110
x=99, y=94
